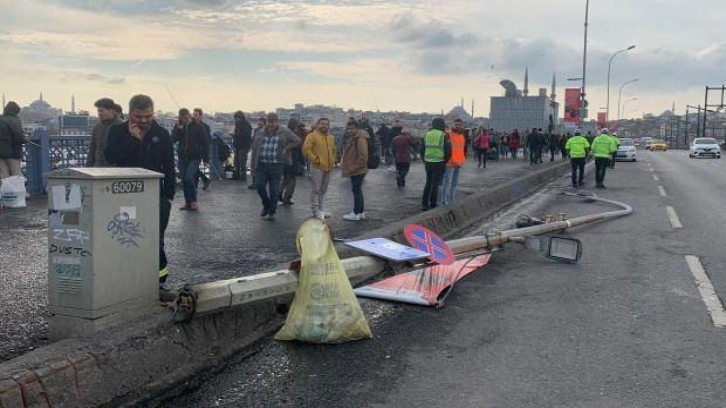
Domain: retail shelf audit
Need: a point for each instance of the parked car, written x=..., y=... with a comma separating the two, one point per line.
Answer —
x=647, y=141
x=658, y=145
x=626, y=150
x=704, y=147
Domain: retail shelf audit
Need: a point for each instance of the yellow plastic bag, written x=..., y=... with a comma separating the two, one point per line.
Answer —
x=325, y=309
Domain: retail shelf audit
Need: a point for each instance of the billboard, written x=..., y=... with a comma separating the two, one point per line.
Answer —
x=601, y=120
x=572, y=105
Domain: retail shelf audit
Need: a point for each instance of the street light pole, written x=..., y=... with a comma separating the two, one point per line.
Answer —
x=626, y=104
x=584, y=71
x=607, y=109
x=620, y=93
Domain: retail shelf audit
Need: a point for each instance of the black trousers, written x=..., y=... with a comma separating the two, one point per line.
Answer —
x=577, y=165
x=601, y=166
x=164, y=213
x=481, y=155
x=402, y=171
x=434, y=175
x=612, y=160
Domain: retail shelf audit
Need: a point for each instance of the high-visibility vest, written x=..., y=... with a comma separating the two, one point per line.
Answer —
x=434, y=142
x=603, y=146
x=577, y=146
x=457, y=149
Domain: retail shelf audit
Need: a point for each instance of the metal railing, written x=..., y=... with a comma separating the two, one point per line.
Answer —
x=44, y=153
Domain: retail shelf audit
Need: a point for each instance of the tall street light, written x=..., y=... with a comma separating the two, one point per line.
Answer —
x=620, y=93
x=584, y=70
x=626, y=104
x=607, y=110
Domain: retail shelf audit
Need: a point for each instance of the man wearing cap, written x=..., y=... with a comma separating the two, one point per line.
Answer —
x=271, y=149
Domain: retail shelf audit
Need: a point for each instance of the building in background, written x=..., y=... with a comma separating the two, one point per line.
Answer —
x=517, y=109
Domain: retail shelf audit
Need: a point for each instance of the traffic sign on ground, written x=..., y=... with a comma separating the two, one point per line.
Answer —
x=426, y=240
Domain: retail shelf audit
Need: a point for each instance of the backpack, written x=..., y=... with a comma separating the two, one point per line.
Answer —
x=223, y=150
x=374, y=158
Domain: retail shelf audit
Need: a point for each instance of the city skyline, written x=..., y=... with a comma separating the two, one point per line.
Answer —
x=369, y=55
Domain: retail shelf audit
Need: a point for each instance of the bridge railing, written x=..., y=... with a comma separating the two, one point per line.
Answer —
x=44, y=153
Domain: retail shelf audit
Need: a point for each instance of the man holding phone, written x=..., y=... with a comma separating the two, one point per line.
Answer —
x=141, y=142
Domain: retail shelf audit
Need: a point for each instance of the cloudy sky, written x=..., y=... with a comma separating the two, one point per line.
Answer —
x=412, y=55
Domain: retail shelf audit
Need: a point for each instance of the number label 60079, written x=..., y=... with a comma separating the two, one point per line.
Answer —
x=126, y=187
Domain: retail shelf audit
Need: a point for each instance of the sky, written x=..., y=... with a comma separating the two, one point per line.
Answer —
x=404, y=55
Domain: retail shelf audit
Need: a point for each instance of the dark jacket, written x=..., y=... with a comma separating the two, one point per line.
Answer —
x=11, y=137
x=287, y=141
x=99, y=138
x=242, y=138
x=154, y=152
x=193, y=142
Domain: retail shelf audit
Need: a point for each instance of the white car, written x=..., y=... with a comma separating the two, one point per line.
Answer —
x=626, y=150
x=704, y=147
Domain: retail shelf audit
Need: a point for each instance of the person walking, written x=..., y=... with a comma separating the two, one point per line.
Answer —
x=514, y=143
x=198, y=116
x=192, y=150
x=142, y=142
x=402, y=146
x=577, y=150
x=271, y=150
x=11, y=141
x=241, y=142
x=107, y=117
x=454, y=163
x=482, y=147
x=435, y=151
x=603, y=147
x=261, y=123
x=616, y=140
x=553, y=145
x=319, y=150
x=355, y=166
x=294, y=165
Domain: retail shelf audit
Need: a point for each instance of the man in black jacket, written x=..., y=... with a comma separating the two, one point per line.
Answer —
x=192, y=149
x=141, y=142
x=241, y=141
x=11, y=141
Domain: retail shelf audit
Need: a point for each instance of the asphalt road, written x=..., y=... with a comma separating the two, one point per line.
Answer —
x=625, y=327
x=225, y=239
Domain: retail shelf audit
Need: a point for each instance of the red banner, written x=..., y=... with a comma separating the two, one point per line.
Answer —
x=601, y=120
x=572, y=105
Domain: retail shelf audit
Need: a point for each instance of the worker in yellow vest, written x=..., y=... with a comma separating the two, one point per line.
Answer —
x=455, y=162
x=577, y=150
x=603, y=147
x=435, y=151
x=616, y=140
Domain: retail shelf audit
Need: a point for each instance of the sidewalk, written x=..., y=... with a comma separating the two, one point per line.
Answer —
x=225, y=239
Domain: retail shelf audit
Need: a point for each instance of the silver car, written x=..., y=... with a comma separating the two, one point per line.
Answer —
x=704, y=147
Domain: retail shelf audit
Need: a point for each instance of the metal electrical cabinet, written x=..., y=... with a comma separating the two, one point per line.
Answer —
x=103, y=242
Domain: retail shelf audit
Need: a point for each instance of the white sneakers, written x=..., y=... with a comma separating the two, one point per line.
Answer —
x=354, y=217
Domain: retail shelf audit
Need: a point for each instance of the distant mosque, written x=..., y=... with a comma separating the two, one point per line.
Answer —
x=38, y=111
x=518, y=110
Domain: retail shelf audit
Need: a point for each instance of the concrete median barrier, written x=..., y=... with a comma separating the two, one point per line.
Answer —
x=135, y=362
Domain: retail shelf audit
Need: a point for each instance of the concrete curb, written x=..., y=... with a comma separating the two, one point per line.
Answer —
x=137, y=361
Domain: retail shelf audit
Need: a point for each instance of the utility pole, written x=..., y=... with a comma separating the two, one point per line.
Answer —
x=584, y=71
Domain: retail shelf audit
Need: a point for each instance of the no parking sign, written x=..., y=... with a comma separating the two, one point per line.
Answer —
x=426, y=240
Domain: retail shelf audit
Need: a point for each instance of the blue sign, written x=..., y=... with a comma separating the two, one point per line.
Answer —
x=385, y=248
x=427, y=241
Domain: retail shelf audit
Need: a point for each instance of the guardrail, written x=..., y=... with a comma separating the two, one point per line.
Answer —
x=45, y=152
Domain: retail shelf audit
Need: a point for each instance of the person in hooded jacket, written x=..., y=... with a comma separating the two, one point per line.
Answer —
x=355, y=166
x=11, y=141
x=294, y=166
x=435, y=151
x=241, y=142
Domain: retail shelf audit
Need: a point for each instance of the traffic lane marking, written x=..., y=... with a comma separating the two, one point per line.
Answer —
x=662, y=192
x=708, y=293
x=655, y=178
x=673, y=218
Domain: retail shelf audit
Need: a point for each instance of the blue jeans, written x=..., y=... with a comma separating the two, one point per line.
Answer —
x=188, y=169
x=216, y=168
x=450, y=181
x=268, y=176
x=356, y=183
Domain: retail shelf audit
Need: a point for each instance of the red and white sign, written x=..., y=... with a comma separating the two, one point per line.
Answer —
x=422, y=286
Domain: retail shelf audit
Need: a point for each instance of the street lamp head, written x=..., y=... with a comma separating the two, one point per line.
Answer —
x=631, y=47
x=575, y=79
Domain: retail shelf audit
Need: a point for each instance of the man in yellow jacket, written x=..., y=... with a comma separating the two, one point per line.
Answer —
x=603, y=147
x=319, y=150
x=577, y=150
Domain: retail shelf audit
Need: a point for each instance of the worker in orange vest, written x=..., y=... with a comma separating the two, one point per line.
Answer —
x=455, y=163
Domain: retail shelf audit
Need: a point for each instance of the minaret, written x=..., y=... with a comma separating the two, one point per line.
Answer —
x=553, y=95
x=41, y=96
x=3, y=99
x=73, y=103
x=525, y=92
